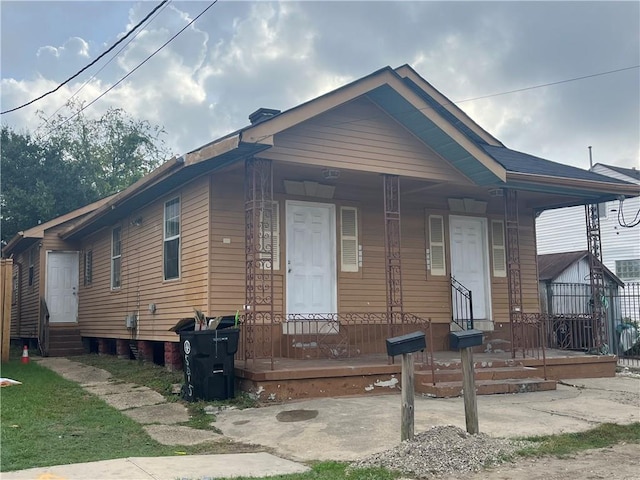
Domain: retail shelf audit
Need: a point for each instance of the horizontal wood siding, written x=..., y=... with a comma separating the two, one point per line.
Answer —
x=365, y=290
x=103, y=311
x=29, y=296
x=359, y=136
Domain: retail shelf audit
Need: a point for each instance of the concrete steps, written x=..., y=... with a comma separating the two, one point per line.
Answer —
x=491, y=378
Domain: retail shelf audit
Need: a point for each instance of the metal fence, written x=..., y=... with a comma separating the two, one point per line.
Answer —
x=569, y=306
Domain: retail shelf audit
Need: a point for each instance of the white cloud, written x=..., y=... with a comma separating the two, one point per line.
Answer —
x=244, y=55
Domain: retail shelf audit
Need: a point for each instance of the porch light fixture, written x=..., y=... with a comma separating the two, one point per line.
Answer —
x=330, y=174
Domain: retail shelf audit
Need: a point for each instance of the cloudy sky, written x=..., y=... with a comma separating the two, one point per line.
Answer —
x=240, y=56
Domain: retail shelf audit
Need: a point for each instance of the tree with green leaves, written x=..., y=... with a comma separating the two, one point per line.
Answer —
x=70, y=162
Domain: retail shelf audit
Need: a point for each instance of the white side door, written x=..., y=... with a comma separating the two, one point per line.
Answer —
x=311, y=258
x=61, y=290
x=469, y=261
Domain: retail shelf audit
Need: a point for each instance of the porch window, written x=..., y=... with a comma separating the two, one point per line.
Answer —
x=436, y=251
x=88, y=267
x=172, y=239
x=269, y=217
x=628, y=269
x=499, y=256
x=116, y=256
x=31, y=263
x=351, y=260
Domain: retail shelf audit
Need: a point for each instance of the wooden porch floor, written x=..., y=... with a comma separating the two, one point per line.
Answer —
x=373, y=374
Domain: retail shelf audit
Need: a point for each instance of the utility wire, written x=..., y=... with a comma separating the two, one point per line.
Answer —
x=91, y=64
x=103, y=67
x=548, y=84
x=139, y=65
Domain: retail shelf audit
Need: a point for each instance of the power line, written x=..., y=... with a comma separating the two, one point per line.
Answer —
x=548, y=84
x=103, y=67
x=91, y=64
x=139, y=65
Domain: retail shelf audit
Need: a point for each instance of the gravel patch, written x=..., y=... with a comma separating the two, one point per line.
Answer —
x=443, y=450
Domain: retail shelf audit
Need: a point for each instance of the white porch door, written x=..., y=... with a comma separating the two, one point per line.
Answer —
x=469, y=261
x=311, y=258
x=62, y=287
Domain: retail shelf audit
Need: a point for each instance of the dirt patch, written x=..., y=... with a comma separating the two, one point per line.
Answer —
x=621, y=462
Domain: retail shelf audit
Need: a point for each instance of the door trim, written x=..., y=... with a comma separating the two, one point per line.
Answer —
x=333, y=252
x=45, y=275
x=485, y=323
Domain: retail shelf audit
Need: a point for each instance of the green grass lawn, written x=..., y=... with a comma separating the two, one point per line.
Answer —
x=50, y=421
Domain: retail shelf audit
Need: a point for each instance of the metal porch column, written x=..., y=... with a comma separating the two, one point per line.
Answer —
x=514, y=275
x=393, y=267
x=259, y=314
x=596, y=278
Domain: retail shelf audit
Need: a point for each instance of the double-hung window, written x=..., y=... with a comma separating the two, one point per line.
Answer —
x=116, y=257
x=172, y=239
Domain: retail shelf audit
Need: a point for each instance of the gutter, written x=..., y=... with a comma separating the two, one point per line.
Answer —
x=625, y=189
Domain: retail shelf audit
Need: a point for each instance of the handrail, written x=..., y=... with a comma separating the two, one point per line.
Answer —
x=461, y=305
x=43, y=328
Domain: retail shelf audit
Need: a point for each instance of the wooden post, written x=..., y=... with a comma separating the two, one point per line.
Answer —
x=406, y=429
x=469, y=390
x=6, y=287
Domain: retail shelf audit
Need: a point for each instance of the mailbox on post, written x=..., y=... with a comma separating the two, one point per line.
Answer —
x=465, y=339
x=409, y=343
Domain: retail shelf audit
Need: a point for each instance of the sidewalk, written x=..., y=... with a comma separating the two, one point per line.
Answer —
x=342, y=428
x=165, y=468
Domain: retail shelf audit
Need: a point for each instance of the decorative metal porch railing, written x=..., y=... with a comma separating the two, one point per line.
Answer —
x=462, y=305
x=330, y=336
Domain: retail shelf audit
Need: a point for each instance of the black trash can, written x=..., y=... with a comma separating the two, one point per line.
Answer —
x=207, y=358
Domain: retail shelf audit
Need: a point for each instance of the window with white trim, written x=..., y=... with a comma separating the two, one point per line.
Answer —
x=628, y=269
x=171, y=249
x=270, y=236
x=436, y=262
x=116, y=257
x=499, y=252
x=351, y=259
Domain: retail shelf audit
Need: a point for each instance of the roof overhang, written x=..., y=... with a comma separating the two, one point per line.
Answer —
x=581, y=192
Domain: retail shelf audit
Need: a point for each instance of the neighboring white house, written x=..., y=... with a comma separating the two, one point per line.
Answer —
x=564, y=229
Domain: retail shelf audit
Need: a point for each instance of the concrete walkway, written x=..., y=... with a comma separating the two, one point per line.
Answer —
x=338, y=428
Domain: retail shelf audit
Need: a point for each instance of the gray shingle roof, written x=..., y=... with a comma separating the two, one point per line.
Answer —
x=519, y=162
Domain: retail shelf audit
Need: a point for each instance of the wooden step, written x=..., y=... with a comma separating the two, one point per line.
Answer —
x=487, y=387
x=65, y=341
x=499, y=373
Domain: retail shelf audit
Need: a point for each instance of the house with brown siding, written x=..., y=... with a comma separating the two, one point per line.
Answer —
x=329, y=227
x=45, y=282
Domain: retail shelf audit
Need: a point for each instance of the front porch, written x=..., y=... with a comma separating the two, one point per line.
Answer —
x=345, y=354
x=372, y=374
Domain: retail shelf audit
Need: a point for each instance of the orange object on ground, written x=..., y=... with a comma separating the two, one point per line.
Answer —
x=25, y=355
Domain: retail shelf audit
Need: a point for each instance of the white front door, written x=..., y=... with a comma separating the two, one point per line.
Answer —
x=62, y=286
x=469, y=261
x=311, y=258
